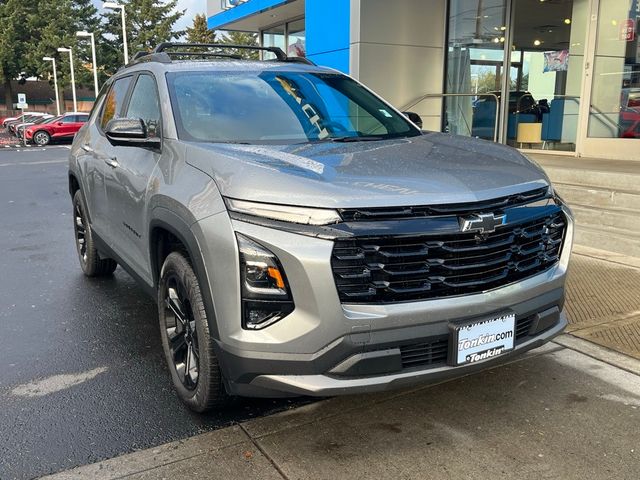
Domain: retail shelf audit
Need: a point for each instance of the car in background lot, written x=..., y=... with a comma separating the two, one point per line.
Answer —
x=18, y=128
x=21, y=129
x=64, y=128
x=20, y=118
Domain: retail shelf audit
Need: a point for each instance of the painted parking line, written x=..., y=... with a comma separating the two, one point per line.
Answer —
x=41, y=162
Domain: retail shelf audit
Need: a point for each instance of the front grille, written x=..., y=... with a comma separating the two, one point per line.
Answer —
x=387, y=213
x=434, y=351
x=404, y=268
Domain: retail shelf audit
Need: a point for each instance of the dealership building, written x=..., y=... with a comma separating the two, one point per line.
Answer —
x=559, y=76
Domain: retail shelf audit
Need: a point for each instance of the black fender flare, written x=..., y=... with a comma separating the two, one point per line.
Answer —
x=167, y=220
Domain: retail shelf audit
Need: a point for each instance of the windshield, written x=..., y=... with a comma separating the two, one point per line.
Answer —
x=279, y=107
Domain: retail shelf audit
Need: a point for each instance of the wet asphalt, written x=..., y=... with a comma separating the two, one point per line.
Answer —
x=82, y=373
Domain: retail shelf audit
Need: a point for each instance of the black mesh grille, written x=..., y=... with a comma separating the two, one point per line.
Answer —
x=396, y=269
x=434, y=351
x=386, y=213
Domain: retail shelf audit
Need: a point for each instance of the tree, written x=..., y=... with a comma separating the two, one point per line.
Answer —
x=149, y=23
x=31, y=30
x=15, y=42
x=57, y=22
x=199, y=32
x=242, y=38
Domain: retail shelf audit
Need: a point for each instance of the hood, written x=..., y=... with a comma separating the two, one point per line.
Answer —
x=430, y=169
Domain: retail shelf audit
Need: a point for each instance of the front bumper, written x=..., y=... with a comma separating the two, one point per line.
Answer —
x=325, y=385
x=312, y=350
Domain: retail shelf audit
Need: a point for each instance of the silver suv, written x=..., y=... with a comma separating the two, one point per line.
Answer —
x=303, y=237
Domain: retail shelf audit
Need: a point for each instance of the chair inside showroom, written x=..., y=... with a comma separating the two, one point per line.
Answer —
x=552, y=122
x=484, y=119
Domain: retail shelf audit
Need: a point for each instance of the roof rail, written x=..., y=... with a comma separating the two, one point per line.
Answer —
x=161, y=55
x=280, y=55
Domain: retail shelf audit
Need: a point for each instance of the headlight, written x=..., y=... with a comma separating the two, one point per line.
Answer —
x=285, y=213
x=266, y=297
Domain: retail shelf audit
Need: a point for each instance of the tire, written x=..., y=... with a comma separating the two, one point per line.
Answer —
x=41, y=138
x=187, y=345
x=90, y=262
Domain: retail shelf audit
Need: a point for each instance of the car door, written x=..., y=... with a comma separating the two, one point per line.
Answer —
x=100, y=163
x=129, y=181
x=64, y=127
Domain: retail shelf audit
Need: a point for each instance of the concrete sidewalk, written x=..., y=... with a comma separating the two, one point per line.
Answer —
x=554, y=413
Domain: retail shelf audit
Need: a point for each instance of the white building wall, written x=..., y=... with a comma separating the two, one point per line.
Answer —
x=398, y=49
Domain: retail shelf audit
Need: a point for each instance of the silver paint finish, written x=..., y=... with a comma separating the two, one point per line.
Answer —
x=426, y=170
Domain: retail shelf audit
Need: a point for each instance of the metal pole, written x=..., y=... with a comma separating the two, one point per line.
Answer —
x=55, y=86
x=95, y=65
x=124, y=37
x=73, y=82
x=24, y=137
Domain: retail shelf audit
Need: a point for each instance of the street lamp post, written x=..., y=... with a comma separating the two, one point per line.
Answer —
x=93, y=57
x=116, y=6
x=55, y=81
x=73, y=78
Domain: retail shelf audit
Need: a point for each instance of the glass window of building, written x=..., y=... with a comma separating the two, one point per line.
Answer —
x=477, y=30
x=544, y=70
x=274, y=37
x=296, y=40
x=615, y=92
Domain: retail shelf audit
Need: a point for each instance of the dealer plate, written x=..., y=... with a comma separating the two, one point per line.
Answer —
x=483, y=339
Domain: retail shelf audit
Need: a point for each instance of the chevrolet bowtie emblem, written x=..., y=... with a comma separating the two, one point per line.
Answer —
x=482, y=223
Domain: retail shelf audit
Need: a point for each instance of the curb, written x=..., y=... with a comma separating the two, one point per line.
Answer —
x=598, y=352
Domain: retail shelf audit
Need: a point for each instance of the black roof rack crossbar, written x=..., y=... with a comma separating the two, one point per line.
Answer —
x=207, y=54
x=280, y=55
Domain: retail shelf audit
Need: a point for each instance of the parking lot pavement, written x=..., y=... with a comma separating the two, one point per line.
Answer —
x=82, y=374
x=553, y=414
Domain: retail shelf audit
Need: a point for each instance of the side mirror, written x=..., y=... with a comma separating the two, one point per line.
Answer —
x=130, y=132
x=414, y=117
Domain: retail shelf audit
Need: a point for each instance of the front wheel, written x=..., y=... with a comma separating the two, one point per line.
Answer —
x=187, y=345
x=41, y=138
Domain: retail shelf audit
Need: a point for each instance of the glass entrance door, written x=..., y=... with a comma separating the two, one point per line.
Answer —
x=541, y=46
x=544, y=96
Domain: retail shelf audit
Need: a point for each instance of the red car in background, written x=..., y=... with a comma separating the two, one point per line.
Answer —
x=65, y=127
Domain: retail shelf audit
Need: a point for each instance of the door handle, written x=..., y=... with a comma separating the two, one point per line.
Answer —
x=87, y=148
x=112, y=162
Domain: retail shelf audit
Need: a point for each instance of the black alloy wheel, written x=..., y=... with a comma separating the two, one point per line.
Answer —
x=182, y=333
x=186, y=336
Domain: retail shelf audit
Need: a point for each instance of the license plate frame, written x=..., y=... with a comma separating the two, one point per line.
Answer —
x=464, y=351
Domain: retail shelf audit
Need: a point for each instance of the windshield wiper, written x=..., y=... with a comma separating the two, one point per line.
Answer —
x=363, y=138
